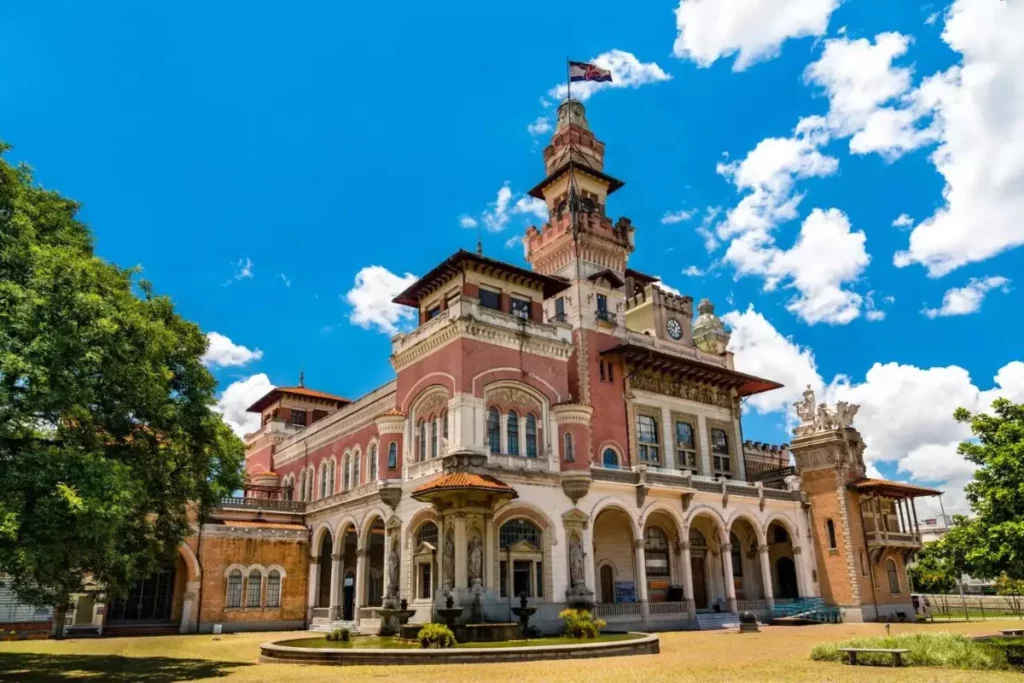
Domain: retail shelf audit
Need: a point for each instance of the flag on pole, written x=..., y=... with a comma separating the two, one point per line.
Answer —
x=582, y=71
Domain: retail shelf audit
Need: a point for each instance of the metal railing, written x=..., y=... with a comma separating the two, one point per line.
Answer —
x=606, y=316
x=617, y=609
x=320, y=613
x=263, y=504
x=667, y=608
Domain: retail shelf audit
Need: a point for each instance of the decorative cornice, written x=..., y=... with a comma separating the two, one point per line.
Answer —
x=350, y=421
x=263, y=533
x=575, y=413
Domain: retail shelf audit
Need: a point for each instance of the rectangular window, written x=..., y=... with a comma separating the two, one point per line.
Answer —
x=503, y=578
x=521, y=308
x=611, y=375
x=560, y=309
x=602, y=370
x=274, y=589
x=521, y=571
x=647, y=436
x=234, y=592
x=602, y=303
x=424, y=582
x=720, y=451
x=490, y=299
x=298, y=417
x=686, y=445
x=434, y=312
x=392, y=456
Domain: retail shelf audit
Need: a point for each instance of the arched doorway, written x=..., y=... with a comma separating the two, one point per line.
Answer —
x=150, y=600
x=613, y=544
x=785, y=584
x=607, y=584
x=323, y=597
x=785, y=569
x=375, y=575
x=698, y=568
x=349, y=558
x=747, y=578
x=348, y=597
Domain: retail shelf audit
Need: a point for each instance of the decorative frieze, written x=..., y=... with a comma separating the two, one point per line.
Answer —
x=690, y=391
x=572, y=413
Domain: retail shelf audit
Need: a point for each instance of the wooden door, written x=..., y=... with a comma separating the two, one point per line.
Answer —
x=607, y=584
x=700, y=589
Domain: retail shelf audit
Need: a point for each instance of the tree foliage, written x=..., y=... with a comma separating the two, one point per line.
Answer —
x=991, y=541
x=107, y=436
x=934, y=571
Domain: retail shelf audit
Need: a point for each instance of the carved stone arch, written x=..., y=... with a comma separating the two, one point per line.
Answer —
x=614, y=445
x=429, y=402
x=366, y=524
x=612, y=502
x=191, y=561
x=280, y=570
x=235, y=566
x=514, y=375
x=709, y=511
x=787, y=524
x=759, y=535
x=537, y=517
x=262, y=570
x=423, y=515
x=343, y=524
x=661, y=506
x=441, y=379
x=519, y=396
x=318, y=538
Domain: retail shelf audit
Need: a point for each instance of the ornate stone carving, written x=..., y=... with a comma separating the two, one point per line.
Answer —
x=511, y=397
x=576, y=573
x=449, y=560
x=818, y=417
x=433, y=403
x=476, y=560
x=393, y=560
x=575, y=486
x=691, y=391
x=390, y=495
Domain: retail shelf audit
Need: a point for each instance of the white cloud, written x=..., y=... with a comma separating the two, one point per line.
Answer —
x=370, y=298
x=243, y=271
x=762, y=351
x=967, y=299
x=826, y=256
x=540, y=126
x=668, y=288
x=864, y=88
x=932, y=18
x=514, y=241
x=705, y=228
x=903, y=221
x=979, y=114
x=627, y=72
x=467, y=221
x=671, y=217
x=224, y=353
x=284, y=280
x=238, y=396
x=693, y=271
x=501, y=210
x=871, y=311
x=754, y=30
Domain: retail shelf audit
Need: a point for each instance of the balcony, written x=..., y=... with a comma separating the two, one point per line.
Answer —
x=518, y=463
x=262, y=504
x=893, y=539
x=343, y=497
x=684, y=480
x=606, y=317
x=278, y=428
x=558, y=318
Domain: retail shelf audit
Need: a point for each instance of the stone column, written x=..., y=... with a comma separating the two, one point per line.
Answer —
x=461, y=550
x=489, y=579
x=704, y=446
x=686, y=574
x=189, y=608
x=336, y=560
x=503, y=430
x=362, y=559
x=730, y=584
x=641, y=577
x=766, y=575
x=313, y=585
x=668, y=456
x=804, y=586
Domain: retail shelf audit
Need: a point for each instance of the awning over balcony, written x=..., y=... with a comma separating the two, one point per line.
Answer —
x=464, y=481
x=691, y=369
x=891, y=489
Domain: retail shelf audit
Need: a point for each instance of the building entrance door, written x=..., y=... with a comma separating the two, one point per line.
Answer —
x=607, y=584
x=149, y=600
x=349, y=597
x=700, y=588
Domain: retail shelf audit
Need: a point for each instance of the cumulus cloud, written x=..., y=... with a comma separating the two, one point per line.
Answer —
x=499, y=212
x=672, y=217
x=668, y=288
x=370, y=298
x=753, y=30
x=627, y=72
x=903, y=221
x=693, y=271
x=540, y=126
x=223, y=353
x=243, y=271
x=979, y=115
x=967, y=299
x=467, y=221
x=238, y=396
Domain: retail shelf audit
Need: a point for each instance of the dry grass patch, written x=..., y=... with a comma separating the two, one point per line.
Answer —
x=776, y=654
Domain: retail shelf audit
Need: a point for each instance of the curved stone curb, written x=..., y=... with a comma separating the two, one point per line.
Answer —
x=646, y=644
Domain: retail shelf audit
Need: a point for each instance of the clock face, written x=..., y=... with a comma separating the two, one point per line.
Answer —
x=674, y=329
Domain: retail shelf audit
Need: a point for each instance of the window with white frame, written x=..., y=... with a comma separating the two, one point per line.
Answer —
x=513, y=432
x=346, y=474
x=355, y=468
x=233, y=596
x=422, y=441
x=254, y=589
x=647, y=439
x=686, y=444
x=373, y=462
x=393, y=455
x=274, y=588
x=493, y=430
x=610, y=459
x=433, y=438
x=531, y=436
x=521, y=566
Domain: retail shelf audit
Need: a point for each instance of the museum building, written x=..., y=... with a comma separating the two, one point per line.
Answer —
x=569, y=431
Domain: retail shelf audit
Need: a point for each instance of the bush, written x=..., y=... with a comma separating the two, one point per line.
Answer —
x=948, y=650
x=436, y=636
x=340, y=635
x=579, y=623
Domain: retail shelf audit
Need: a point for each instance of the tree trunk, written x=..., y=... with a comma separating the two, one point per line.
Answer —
x=59, y=615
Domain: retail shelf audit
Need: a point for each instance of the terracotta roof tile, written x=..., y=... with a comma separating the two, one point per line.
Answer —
x=464, y=480
x=263, y=525
x=274, y=393
x=894, y=488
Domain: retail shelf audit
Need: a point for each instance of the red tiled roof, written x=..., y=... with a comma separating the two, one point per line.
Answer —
x=463, y=480
x=263, y=525
x=274, y=394
x=894, y=489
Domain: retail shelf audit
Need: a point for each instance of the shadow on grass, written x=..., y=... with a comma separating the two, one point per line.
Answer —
x=47, y=668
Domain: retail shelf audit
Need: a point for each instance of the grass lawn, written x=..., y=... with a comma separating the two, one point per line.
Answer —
x=779, y=653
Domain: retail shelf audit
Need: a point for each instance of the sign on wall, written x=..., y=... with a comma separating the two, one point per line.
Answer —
x=625, y=591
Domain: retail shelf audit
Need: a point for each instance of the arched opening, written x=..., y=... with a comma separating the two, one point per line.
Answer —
x=610, y=459
x=746, y=563
x=607, y=592
x=698, y=559
x=894, y=576
x=656, y=563
x=425, y=560
x=155, y=599
x=830, y=532
x=613, y=544
x=323, y=595
x=521, y=563
x=707, y=564
x=349, y=569
x=375, y=575
x=782, y=559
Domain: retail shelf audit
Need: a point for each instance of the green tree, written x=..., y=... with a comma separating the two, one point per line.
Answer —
x=107, y=437
x=991, y=541
x=933, y=570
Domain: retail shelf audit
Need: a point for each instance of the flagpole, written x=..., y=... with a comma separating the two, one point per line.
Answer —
x=582, y=359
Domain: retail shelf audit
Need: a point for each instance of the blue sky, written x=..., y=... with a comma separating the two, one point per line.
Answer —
x=255, y=161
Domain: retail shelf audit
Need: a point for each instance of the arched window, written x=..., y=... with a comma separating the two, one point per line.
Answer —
x=830, y=529
x=254, y=591
x=355, y=469
x=444, y=428
x=309, y=485
x=346, y=478
x=493, y=430
x=516, y=530
x=373, y=463
x=427, y=534
x=531, y=436
x=392, y=455
x=656, y=552
x=780, y=535
x=234, y=592
x=894, y=576
x=274, y=588
x=513, y=432
x=423, y=441
x=567, y=448
x=736, y=551
x=697, y=539
x=610, y=459
x=334, y=471
x=433, y=438
x=323, y=478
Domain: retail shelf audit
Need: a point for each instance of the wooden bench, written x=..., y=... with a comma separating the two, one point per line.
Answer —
x=852, y=652
x=1012, y=631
